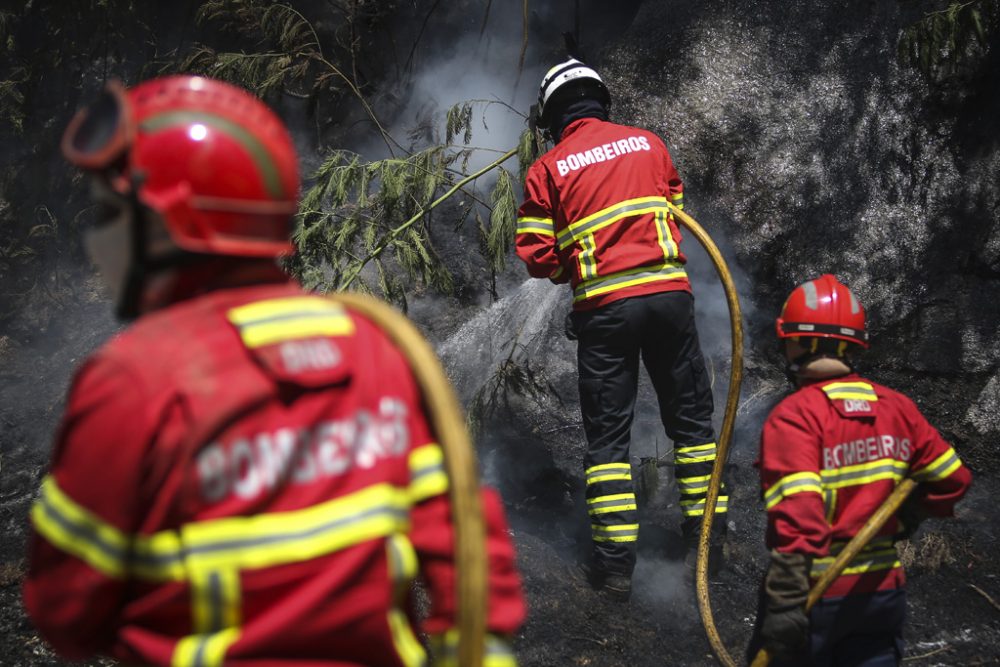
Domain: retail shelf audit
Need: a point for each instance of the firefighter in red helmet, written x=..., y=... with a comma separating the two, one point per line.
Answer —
x=831, y=453
x=245, y=475
x=595, y=216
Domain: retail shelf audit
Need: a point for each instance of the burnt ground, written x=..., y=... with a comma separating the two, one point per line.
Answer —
x=568, y=623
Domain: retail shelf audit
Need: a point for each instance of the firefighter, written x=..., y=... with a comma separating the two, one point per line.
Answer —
x=246, y=474
x=831, y=453
x=595, y=216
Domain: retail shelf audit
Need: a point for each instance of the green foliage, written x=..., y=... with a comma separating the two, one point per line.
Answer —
x=351, y=210
x=513, y=377
x=289, y=40
x=377, y=213
x=944, y=41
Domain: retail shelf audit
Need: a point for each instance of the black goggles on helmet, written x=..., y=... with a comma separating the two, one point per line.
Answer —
x=100, y=133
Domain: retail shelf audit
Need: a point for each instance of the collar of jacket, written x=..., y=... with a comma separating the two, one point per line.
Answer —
x=577, y=124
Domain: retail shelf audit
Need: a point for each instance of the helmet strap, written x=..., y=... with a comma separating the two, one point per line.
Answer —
x=135, y=276
x=817, y=348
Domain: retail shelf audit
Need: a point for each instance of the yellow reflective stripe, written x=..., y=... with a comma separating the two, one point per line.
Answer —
x=444, y=647
x=697, y=507
x=628, y=532
x=848, y=390
x=677, y=200
x=208, y=650
x=939, y=468
x=883, y=557
x=610, y=477
x=684, y=460
x=829, y=504
x=288, y=537
x=274, y=320
x=709, y=447
x=788, y=485
x=630, y=278
x=663, y=235
x=215, y=600
x=588, y=264
x=864, y=473
x=540, y=226
x=607, y=472
x=608, y=216
x=612, y=496
x=79, y=532
x=428, y=476
x=615, y=502
x=608, y=466
x=403, y=566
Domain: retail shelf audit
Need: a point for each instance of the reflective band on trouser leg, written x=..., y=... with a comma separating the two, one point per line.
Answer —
x=611, y=503
x=693, y=470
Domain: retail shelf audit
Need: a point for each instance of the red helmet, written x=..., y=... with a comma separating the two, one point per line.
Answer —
x=823, y=308
x=211, y=159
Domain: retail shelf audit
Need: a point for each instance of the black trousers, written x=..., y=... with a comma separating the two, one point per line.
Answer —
x=660, y=329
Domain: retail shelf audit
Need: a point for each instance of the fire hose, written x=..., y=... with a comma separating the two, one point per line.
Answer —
x=460, y=463
x=725, y=435
x=885, y=511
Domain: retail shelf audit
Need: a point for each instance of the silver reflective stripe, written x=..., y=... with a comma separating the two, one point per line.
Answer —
x=580, y=229
x=812, y=296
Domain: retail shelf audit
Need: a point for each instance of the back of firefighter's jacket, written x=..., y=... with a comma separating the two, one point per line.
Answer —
x=595, y=214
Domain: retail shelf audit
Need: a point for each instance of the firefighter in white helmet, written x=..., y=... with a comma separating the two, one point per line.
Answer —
x=595, y=216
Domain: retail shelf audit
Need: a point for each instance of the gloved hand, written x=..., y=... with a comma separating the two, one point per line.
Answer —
x=910, y=515
x=786, y=627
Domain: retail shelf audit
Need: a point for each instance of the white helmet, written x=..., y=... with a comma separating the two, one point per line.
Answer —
x=556, y=79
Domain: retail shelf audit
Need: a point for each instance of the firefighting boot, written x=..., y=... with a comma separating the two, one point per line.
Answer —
x=615, y=586
x=691, y=530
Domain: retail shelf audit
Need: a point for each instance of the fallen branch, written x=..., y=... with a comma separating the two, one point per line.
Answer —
x=985, y=595
x=391, y=236
x=941, y=649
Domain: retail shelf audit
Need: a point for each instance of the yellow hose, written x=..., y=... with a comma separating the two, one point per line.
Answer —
x=460, y=462
x=874, y=524
x=722, y=447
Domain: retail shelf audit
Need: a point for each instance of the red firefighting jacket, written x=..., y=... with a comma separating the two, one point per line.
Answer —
x=831, y=453
x=249, y=478
x=595, y=215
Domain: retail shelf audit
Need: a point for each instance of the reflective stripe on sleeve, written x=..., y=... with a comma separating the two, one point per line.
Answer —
x=789, y=485
x=540, y=226
x=939, y=468
x=428, y=476
x=79, y=532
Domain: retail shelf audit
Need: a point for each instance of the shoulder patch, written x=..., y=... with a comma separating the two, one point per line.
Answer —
x=852, y=399
x=295, y=338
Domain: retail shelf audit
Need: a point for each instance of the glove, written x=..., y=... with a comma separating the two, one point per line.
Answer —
x=910, y=515
x=786, y=627
x=569, y=327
